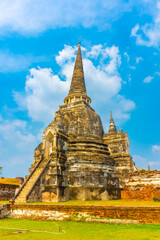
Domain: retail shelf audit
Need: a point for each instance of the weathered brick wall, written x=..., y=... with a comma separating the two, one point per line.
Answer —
x=138, y=179
x=7, y=191
x=143, y=214
x=145, y=193
x=4, y=210
x=142, y=186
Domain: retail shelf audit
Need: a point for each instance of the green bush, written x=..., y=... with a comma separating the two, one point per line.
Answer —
x=143, y=170
x=154, y=198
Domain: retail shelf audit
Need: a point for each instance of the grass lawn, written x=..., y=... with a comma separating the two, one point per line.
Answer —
x=107, y=203
x=74, y=231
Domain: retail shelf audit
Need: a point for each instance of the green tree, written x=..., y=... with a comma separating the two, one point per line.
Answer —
x=0, y=170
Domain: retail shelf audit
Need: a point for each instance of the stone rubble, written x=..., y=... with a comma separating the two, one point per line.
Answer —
x=4, y=211
x=57, y=216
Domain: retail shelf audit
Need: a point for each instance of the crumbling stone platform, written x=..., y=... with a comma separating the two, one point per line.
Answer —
x=141, y=214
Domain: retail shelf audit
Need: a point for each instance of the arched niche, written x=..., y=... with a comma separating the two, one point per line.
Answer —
x=49, y=143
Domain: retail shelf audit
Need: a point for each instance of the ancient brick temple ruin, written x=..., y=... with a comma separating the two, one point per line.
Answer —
x=77, y=160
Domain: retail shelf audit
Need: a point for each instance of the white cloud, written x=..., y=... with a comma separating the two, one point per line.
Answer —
x=127, y=56
x=95, y=51
x=67, y=54
x=148, y=79
x=115, y=59
x=129, y=78
x=32, y=17
x=45, y=91
x=138, y=59
x=134, y=30
x=132, y=67
x=149, y=34
x=156, y=148
x=15, y=132
x=16, y=145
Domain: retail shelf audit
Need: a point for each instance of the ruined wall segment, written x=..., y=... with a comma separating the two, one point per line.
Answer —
x=8, y=187
x=142, y=186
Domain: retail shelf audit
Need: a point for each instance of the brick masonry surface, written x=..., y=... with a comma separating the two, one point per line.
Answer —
x=143, y=214
x=145, y=193
x=4, y=210
x=7, y=191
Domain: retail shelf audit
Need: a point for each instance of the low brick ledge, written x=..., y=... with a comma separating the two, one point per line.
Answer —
x=145, y=214
x=57, y=207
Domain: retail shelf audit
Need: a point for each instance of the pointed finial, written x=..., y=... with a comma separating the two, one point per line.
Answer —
x=77, y=88
x=111, y=118
x=79, y=43
x=78, y=82
x=112, y=126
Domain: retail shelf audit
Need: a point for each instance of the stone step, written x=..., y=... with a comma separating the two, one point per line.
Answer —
x=31, y=181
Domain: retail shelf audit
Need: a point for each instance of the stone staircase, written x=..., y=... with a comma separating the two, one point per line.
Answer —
x=28, y=185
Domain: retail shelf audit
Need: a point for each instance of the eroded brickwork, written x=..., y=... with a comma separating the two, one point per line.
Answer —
x=7, y=191
x=143, y=214
x=142, y=186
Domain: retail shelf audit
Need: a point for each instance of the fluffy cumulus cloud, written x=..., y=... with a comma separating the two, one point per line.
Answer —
x=32, y=17
x=148, y=79
x=149, y=33
x=44, y=90
x=43, y=93
x=67, y=54
x=95, y=51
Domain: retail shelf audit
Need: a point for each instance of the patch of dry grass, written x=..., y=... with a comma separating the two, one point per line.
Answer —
x=12, y=181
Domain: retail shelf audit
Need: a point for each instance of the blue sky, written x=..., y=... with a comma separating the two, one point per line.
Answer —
x=120, y=45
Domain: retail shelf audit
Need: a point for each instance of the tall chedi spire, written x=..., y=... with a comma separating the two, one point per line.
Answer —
x=77, y=90
x=112, y=126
